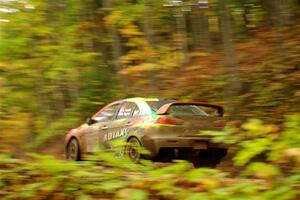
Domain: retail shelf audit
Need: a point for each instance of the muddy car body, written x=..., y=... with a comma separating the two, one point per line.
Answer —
x=168, y=129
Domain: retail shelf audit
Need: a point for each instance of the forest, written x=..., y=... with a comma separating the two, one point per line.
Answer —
x=63, y=60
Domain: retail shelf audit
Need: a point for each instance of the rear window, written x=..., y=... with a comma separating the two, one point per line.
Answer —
x=185, y=109
x=155, y=105
x=193, y=110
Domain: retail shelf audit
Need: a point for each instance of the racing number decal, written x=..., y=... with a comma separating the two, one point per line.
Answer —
x=116, y=134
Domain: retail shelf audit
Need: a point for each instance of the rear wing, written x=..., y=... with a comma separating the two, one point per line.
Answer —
x=164, y=109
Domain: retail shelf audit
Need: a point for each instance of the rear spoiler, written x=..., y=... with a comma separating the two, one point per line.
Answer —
x=164, y=109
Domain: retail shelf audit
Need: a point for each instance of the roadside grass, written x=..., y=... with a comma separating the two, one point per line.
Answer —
x=278, y=177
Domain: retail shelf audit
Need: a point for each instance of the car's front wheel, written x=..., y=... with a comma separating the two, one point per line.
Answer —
x=73, y=150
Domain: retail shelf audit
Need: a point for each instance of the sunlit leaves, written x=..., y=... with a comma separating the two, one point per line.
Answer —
x=116, y=177
x=262, y=170
x=132, y=194
x=56, y=68
x=251, y=149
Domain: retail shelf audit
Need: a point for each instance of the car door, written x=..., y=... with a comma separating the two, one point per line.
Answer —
x=117, y=129
x=95, y=134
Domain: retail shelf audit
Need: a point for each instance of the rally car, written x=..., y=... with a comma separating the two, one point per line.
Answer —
x=167, y=129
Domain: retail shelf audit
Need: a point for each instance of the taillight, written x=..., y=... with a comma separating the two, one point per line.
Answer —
x=169, y=120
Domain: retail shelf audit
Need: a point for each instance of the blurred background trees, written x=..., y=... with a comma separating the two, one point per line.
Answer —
x=61, y=60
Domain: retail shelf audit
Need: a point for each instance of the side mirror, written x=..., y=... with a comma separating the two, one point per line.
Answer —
x=218, y=113
x=90, y=121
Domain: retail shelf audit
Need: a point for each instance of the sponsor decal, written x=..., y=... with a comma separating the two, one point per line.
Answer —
x=116, y=134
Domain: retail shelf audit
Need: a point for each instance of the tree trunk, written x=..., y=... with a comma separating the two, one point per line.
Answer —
x=116, y=48
x=232, y=78
x=148, y=31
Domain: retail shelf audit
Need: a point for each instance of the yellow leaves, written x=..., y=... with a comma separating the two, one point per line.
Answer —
x=214, y=24
x=135, y=55
x=18, y=122
x=255, y=128
x=2, y=83
x=209, y=183
x=292, y=154
x=14, y=130
x=140, y=69
x=297, y=93
x=130, y=30
x=196, y=54
x=127, y=28
x=277, y=86
x=251, y=25
x=141, y=52
x=5, y=65
x=262, y=170
x=113, y=19
x=85, y=58
x=132, y=194
x=138, y=42
x=88, y=25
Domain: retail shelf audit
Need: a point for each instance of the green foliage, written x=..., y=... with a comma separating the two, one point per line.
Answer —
x=48, y=177
x=262, y=170
x=255, y=138
x=60, y=61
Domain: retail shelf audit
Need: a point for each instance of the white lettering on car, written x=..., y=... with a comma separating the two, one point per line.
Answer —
x=116, y=134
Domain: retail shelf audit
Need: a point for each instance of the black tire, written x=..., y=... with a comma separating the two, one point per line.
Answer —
x=197, y=163
x=208, y=158
x=133, y=150
x=73, y=152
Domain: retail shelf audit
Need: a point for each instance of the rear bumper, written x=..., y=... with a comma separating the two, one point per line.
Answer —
x=154, y=144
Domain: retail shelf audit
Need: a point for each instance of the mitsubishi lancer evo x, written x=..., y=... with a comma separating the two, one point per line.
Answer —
x=167, y=129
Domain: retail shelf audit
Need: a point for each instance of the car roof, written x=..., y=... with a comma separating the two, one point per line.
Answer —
x=142, y=103
x=139, y=99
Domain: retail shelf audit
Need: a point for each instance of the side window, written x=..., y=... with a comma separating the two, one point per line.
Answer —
x=136, y=112
x=108, y=113
x=126, y=110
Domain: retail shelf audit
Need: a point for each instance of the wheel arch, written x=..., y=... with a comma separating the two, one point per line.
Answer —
x=136, y=132
x=133, y=136
x=68, y=142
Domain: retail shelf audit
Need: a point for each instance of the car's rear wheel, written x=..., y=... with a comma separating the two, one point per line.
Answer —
x=133, y=150
x=73, y=150
x=204, y=163
x=208, y=158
